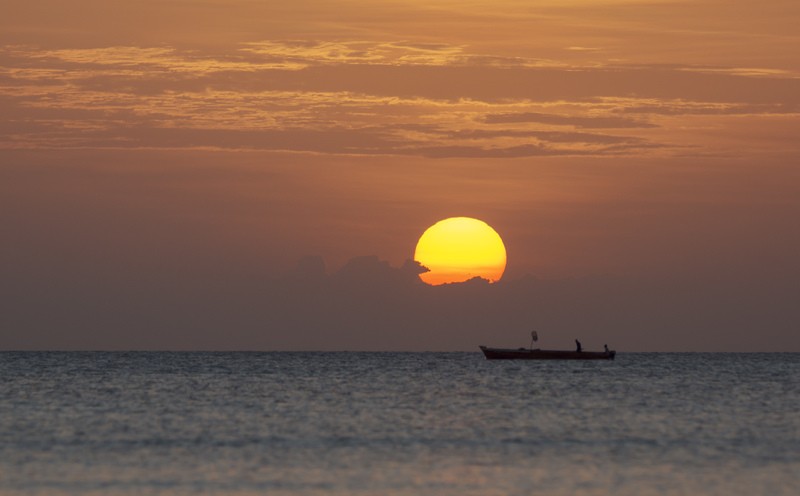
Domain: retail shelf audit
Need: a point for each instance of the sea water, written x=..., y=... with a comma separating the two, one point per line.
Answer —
x=397, y=424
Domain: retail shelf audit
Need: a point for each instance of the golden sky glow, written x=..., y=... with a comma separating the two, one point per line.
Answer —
x=164, y=146
x=458, y=249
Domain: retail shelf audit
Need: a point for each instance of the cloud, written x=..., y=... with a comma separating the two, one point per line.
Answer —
x=309, y=53
x=370, y=305
x=680, y=107
x=549, y=136
x=587, y=122
x=366, y=97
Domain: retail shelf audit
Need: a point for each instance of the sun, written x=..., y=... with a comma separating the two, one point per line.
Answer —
x=458, y=249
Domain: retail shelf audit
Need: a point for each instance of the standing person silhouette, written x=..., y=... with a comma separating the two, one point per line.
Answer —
x=578, y=346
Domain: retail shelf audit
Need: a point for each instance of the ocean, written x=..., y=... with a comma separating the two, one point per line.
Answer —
x=350, y=423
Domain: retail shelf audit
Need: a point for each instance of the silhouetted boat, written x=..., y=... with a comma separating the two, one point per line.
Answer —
x=537, y=354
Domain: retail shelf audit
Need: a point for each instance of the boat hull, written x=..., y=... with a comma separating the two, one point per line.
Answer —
x=537, y=354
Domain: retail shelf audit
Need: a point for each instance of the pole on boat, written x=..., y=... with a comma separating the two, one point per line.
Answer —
x=534, y=337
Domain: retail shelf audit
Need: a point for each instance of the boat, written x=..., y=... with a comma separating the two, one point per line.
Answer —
x=537, y=354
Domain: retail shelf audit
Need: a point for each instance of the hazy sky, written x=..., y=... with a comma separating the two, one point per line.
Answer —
x=253, y=174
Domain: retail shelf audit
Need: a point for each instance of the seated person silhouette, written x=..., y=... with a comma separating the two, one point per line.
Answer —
x=606, y=347
x=578, y=346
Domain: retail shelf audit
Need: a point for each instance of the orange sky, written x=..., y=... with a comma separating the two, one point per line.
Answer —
x=150, y=147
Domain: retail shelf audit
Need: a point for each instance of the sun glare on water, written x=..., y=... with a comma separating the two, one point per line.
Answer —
x=458, y=249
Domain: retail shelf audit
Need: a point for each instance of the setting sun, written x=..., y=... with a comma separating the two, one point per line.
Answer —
x=458, y=249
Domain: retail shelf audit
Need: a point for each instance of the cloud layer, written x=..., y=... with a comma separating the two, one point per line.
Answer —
x=376, y=98
x=369, y=305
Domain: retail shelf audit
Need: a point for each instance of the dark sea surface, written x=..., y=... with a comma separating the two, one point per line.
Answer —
x=398, y=424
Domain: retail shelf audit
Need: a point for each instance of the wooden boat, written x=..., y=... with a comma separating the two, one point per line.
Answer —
x=537, y=354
